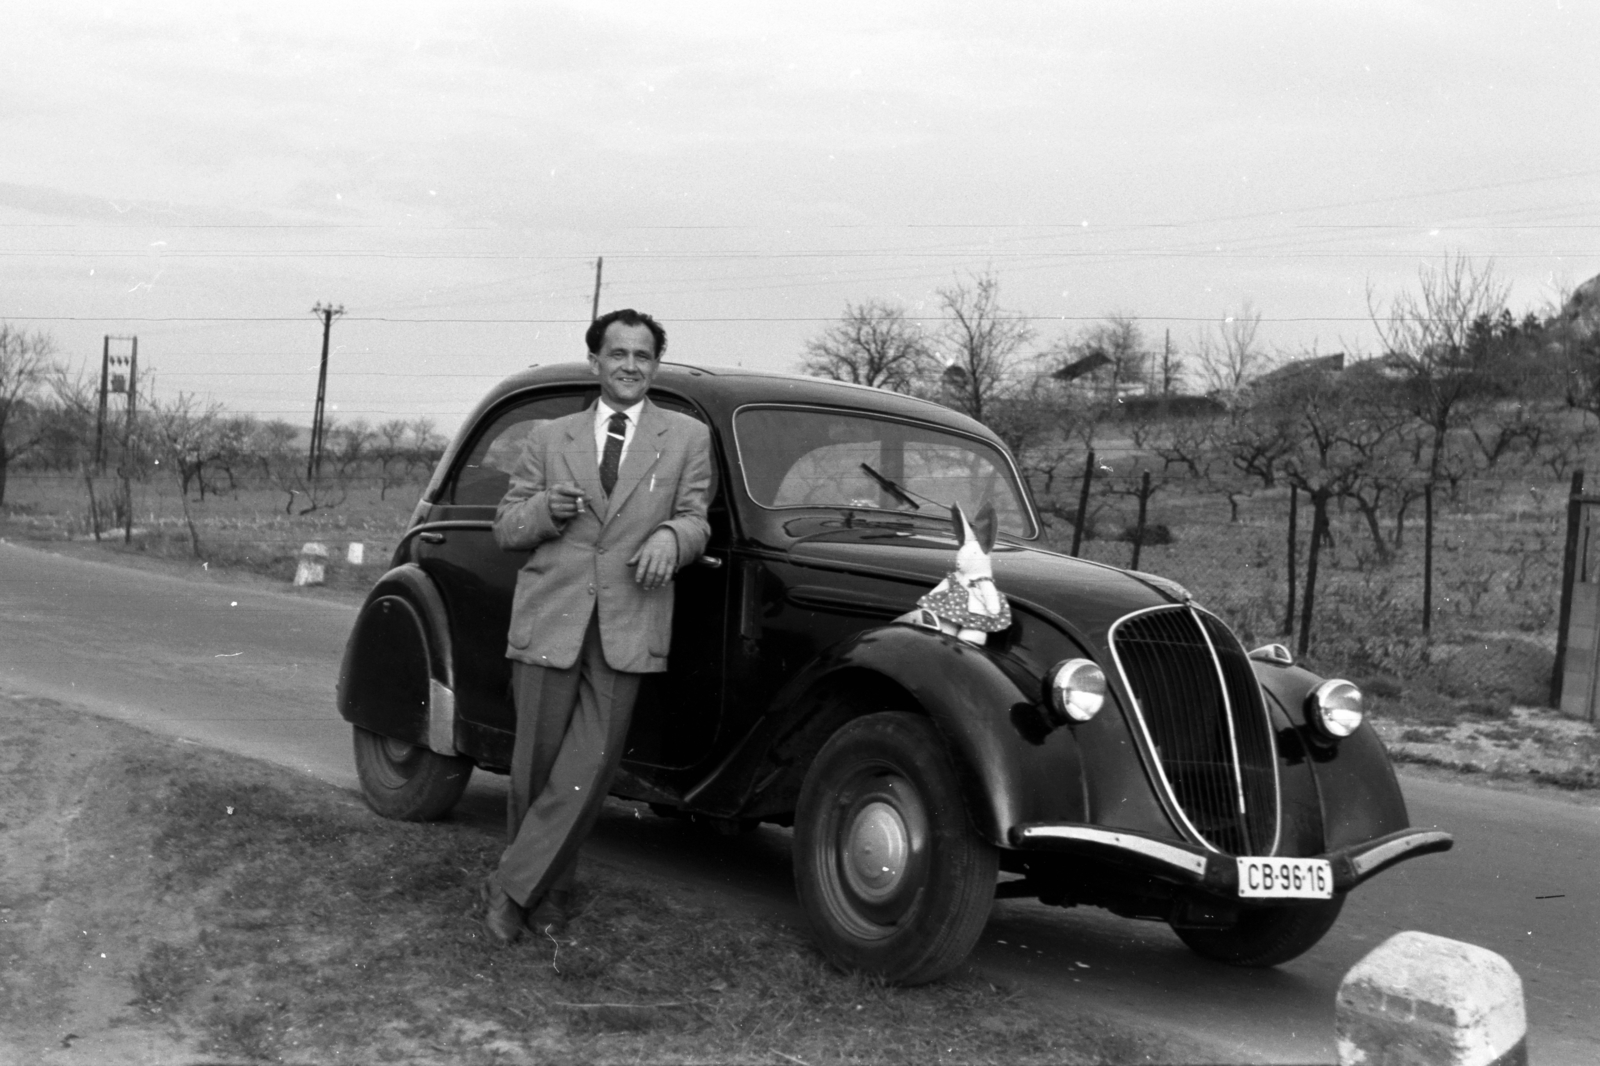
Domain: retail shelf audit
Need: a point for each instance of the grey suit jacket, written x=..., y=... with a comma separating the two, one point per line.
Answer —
x=577, y=565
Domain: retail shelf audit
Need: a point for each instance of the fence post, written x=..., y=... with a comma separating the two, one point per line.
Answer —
x=1138, y=531
x=1569, y=573
x=1083, y=504
x=1319, y=529
x=1427, y=560
x=1294, y=514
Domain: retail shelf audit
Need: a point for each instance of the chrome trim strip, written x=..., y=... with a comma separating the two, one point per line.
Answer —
x=1227, y=713
x=441, y=718
x=1266, y=715
x=1386, y=853
x=1169, y=795
x=1181, y=858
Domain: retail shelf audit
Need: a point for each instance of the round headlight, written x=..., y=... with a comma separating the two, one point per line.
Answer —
x=1336, y=708
x=1077, y=690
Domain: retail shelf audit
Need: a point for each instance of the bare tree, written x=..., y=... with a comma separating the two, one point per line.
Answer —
x=232, y=449
x=1342, y=441
x=426, y=447
x=1030, y=420
x=1447, y=344
x=351, y=449
x=982, y=341
x=69, y=435
x=25, y=365
x=1229, y=356
x=276, y=449
x=183, y=433
x=873, y=344
x=388, y=450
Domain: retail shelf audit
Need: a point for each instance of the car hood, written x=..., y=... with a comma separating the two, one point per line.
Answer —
x=1087, y=596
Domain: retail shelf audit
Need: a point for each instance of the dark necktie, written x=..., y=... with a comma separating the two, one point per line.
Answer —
x=616, y=433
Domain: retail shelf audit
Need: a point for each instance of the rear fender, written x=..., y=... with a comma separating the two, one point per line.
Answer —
x=1359, y=795
x=396, y=677
x=974, y=705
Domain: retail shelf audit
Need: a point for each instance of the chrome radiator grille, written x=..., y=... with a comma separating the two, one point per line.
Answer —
x=1201, y=709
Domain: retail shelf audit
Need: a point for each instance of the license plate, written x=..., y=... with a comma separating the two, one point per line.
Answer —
x=1262, y=878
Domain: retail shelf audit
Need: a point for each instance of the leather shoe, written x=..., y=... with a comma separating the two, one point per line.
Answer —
x=551, y=915
x=501, y=914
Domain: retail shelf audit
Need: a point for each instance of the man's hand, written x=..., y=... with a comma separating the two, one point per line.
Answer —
x=656, y=562
x=566, y=501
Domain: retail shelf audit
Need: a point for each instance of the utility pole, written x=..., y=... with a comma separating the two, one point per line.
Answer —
x=594, y=308
x=110, y=383
x=100, y=421
x=130, y=444
x=314, y=456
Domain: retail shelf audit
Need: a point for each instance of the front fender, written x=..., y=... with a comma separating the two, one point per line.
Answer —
x=1357, y=790
x=396, y=677
x=982, y=712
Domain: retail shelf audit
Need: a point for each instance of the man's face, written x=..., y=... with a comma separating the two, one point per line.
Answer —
x=625, y=364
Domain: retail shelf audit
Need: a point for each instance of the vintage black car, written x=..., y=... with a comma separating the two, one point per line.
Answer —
x=1114, y=746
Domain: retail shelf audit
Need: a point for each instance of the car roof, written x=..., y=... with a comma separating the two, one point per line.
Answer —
x=724, y=389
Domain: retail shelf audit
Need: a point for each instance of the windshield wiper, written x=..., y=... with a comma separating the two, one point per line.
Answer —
x=891, y=488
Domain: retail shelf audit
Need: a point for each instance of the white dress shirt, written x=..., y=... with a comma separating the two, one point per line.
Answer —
x=602, y=422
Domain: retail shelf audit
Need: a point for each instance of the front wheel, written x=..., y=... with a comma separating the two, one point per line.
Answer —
x=405, y=781
x=887, y=865
x=1265, y=936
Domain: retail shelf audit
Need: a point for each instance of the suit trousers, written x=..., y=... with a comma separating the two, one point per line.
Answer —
x=572, y=725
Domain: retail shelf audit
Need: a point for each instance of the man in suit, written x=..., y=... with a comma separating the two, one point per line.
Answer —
x=611, y=501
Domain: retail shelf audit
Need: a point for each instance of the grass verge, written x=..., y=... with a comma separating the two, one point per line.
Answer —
x=260, y=916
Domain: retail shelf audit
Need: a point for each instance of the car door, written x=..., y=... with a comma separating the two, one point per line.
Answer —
x=455, y=546
x=679, y=714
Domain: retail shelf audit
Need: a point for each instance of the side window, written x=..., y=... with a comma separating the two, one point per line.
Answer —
x=486, y=474
x=668, y=402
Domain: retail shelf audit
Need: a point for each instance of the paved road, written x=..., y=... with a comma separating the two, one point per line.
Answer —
x=252, y=671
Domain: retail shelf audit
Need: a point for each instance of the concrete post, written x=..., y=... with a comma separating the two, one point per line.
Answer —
x=313, y=568
x=1424, y=1000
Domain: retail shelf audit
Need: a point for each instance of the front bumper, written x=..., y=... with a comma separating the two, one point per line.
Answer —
x=1187, y=864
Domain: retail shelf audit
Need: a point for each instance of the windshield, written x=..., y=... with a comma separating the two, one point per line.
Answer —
x=797, y=457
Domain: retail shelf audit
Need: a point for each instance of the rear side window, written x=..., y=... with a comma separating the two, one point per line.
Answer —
x=486, y=475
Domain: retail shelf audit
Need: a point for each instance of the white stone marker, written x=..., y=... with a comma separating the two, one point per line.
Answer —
x=1424, y=1000
x=355, y=553
x=313, y=568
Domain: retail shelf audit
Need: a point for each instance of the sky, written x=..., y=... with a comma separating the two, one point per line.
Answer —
x=201, y=175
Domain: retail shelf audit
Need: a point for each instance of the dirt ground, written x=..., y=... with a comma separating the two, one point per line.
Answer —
x=163, y=903
x=77, y=901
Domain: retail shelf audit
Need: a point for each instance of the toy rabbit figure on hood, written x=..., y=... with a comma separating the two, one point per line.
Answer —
x=966, y=604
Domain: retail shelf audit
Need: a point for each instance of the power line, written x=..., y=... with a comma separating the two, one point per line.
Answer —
x=759, y=255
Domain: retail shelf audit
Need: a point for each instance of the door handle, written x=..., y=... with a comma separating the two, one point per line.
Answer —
x=431, y=538
x=710, y=562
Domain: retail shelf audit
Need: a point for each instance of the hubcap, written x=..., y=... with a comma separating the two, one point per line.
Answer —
x=877, y=845
x=398, y=751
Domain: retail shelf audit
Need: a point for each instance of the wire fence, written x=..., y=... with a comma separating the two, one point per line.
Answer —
x=1387, y=597
x=1474, y=565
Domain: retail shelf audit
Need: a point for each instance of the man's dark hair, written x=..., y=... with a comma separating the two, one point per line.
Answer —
x=628, y=317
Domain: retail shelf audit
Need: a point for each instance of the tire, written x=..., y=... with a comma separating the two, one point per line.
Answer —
x=884, y=788
x=1265, y=936
x=407, y=782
